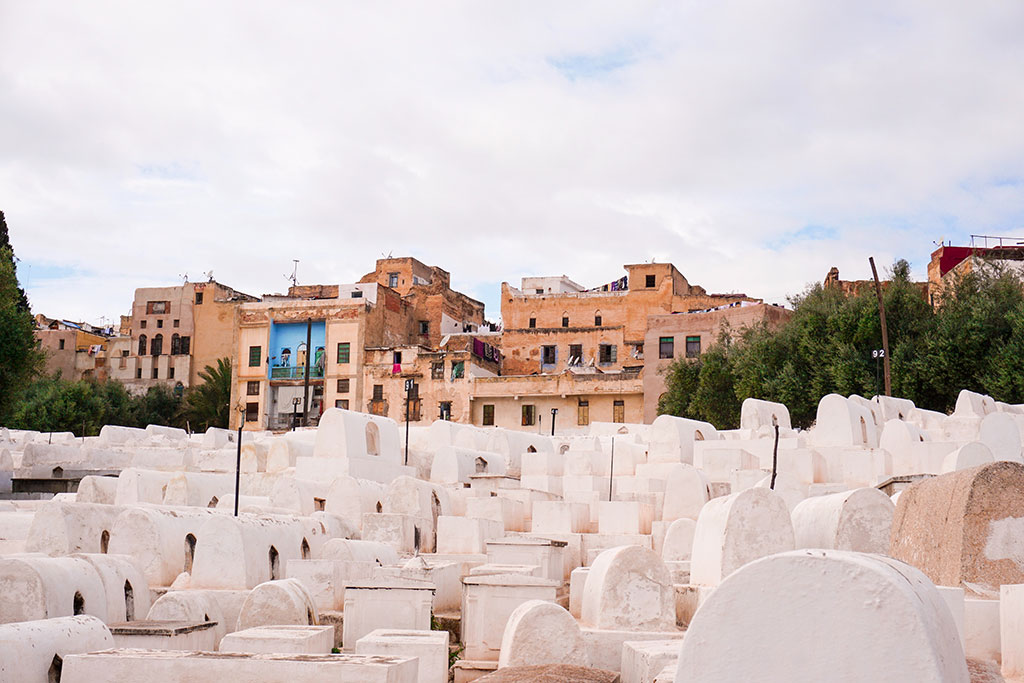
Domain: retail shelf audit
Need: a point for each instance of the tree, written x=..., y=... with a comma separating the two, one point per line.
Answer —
x=158, y=406
x=208, y=404
x=21, y=359
x=5, y=243
x=973, y=340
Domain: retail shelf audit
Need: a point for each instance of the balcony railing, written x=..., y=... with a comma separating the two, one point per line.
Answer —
x=295, y=372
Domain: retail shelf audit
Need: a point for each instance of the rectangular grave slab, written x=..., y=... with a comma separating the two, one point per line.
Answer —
x=149, y=666
x=165, y=635
x=297, y=640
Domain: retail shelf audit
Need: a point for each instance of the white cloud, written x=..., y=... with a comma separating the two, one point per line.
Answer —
x=139, y=142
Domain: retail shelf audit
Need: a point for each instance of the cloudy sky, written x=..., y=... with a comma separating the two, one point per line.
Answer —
x=753, y=144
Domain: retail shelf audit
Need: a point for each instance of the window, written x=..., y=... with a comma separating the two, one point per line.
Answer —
x=392, y=280
x=356, y=294
x=437, y=370
x=378, y=392
x=666, y=347
x=157, y=307
x=488, y=414
x=156, y=373
x=608, y=354
x=598, y=320
x=344, y=352
x=533, y=323
x=252, y=388
x=396, y=357
x=575, y=354
x=529, y=415
x=159, y=322
x=142, y=345
x=538, y=291
x=444, y=410
x=565, y=320
x=125, y=354
x=138, y=373
x=175, y=344
x=176, y=322
x=252, y=412
x=343, y=386
x=548, y=355
x=254, y=356
x=692, y=347
x=186, y=345
x=199, y=298
x=583, y=413
x=341, y=403
x=619, y=411
x=412, y=407
x=458, y=369
x=170, y=372
x=157, y=347
x=142, y=324
x=60, y=344
x=424, y=327
x=651, y=280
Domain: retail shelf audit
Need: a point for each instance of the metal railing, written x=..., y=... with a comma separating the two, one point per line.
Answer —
x=295, y=372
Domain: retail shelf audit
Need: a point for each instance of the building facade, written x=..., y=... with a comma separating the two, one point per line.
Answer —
x=175, y=332
x=688, y=335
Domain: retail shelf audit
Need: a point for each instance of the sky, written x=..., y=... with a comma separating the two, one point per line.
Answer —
x=752, y=144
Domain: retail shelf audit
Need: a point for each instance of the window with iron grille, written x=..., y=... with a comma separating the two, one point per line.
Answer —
x=252, y=388
x=343, y=386
x=618, y=411
x=488, y=415
x=529, y=415
x=344, y=352
x=255, y=355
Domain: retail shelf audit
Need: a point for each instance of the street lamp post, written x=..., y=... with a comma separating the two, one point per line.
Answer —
x=295, y=411
x=554, y=412
x=238, y=458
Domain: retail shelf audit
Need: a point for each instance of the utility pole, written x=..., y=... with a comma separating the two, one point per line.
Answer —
x=885, y=330
x=305, y=379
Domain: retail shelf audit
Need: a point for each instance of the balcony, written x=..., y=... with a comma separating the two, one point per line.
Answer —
x=296, y=372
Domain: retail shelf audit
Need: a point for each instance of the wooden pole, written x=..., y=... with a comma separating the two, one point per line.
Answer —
x=885, y=330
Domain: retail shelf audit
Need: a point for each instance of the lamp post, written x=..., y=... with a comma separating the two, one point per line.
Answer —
x=238, y=459
x=554, y=412
x=295, y=411
x=408, y=396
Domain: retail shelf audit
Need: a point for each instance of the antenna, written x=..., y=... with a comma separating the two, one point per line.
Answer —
x=208, y=275
x=294, y=277
x=184, y=276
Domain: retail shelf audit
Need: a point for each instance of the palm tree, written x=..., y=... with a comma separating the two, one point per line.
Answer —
x=206, y=405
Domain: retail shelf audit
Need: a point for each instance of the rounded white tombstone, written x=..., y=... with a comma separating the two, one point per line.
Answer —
x=843, y=422
x=755, y=413
x=971, y=454
x=125, y=587
x=678, y=543
x=1000, y=433
x=882, y=621
x=629, y=588
x=686, y=492
x=541, y=632
x=34, y=650
x=276, y=603
x=37, y=587
x=351, y=498
x=859, y=520
x=973, y=404
x=672, y=438
x=737, y=529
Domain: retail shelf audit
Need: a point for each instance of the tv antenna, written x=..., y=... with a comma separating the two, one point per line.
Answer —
x=208, y=275
x=184, y=276
x=294, y=277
